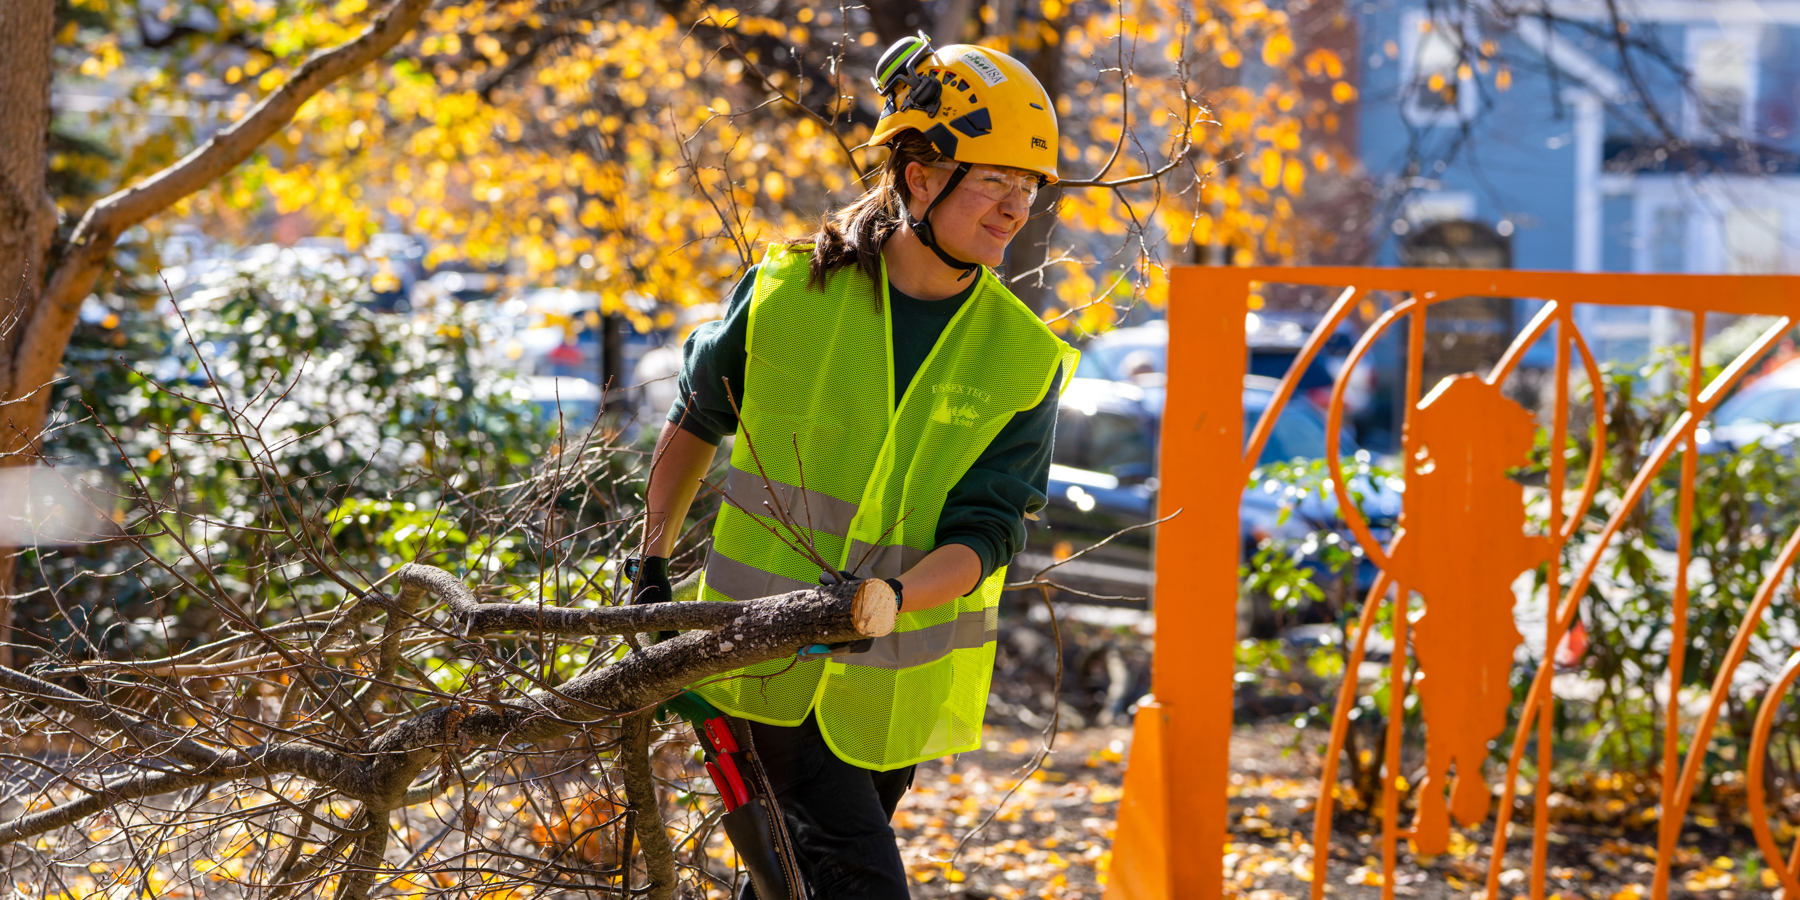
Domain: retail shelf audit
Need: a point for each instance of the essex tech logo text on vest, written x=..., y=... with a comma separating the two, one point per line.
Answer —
x=953, y=406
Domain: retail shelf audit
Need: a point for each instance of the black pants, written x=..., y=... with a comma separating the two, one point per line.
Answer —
x=837, y=814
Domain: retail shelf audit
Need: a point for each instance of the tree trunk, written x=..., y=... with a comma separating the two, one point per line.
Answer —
x=27, y=224
x=895, y=19
x=613, y=377
x=1025, y=260
x=27, y=213
x=952, y=16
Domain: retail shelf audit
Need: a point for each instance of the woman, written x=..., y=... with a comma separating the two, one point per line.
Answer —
x=901, y=403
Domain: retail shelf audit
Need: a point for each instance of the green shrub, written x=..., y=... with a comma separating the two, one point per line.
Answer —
x=266, y=439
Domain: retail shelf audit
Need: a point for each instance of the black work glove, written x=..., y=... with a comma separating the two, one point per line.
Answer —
x=821, y=651
x=650, y=580
x=650, y=584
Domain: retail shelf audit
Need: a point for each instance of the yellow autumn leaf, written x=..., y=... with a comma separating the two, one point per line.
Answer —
x=1293, y=177
x=1271, y=168
x=1277, y=48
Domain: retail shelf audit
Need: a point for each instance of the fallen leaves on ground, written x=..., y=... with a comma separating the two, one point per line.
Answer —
x=1052, y=839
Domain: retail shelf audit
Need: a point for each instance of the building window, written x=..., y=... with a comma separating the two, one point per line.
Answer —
x=1722, y=69
x=1668, y=240
x=1437, y=85
x=1429, y=207
x=1752, y=240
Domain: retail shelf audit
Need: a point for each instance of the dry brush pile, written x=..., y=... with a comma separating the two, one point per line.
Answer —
x=284, y=697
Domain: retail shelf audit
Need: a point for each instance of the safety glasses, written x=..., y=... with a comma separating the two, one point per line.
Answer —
x=998, y=184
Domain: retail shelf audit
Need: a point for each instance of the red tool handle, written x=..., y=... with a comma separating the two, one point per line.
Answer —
x=721, y=735
x=725, y=793
x=742, y=795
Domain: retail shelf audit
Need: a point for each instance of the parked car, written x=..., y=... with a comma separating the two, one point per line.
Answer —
x=460, y=282
x=1767, y=411
x=566, y=401
x=1102, y=480
x=397, y=263
x=547, y=331
x=1139, y=354
x=1299, y=434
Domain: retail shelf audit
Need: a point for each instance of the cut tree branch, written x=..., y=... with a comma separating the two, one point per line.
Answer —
x=383, y=775
x=493, y=618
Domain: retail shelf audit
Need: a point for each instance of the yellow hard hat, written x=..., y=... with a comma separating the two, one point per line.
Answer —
x=974, y=104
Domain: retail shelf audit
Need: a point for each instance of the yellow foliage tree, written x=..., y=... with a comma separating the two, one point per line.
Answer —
x=643, y=150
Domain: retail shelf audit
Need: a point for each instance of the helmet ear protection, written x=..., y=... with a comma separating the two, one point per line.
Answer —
x=900, y=66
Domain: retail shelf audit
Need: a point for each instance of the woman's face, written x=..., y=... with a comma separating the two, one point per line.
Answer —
x=967, y=225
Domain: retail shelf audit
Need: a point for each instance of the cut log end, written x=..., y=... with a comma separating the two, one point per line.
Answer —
x=874, y=608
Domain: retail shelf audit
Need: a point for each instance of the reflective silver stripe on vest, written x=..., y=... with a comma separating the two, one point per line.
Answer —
x=742, y=581
x=887, y=561
x=905, y=649
x=807, y=507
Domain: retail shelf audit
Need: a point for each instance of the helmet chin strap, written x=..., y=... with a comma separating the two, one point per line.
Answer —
x=923, y=228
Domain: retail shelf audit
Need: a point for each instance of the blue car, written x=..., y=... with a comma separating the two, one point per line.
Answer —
x=1102, y=480
x=1766, y=412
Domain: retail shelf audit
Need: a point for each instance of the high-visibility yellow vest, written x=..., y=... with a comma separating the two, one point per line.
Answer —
x=867, y=480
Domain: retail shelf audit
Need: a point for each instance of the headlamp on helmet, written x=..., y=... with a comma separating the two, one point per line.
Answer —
x=901, y=66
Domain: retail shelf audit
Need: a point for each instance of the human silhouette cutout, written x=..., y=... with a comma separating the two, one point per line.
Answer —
x=1464, y=545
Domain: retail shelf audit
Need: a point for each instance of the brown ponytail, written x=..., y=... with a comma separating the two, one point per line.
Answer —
x=855, y=234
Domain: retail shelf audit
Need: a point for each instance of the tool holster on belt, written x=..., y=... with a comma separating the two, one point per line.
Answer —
x=752, y=818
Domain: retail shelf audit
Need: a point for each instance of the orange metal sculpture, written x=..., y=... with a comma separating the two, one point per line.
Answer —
x=1462, y=540
x=1469, y=544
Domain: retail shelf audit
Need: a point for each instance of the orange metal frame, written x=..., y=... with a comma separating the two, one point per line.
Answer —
x=1173, y=818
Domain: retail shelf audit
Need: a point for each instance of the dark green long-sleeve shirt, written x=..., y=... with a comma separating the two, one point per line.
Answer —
x=984, y=511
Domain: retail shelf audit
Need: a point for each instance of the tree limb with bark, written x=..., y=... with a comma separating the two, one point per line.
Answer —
x=296, y=744
x=379, y=754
